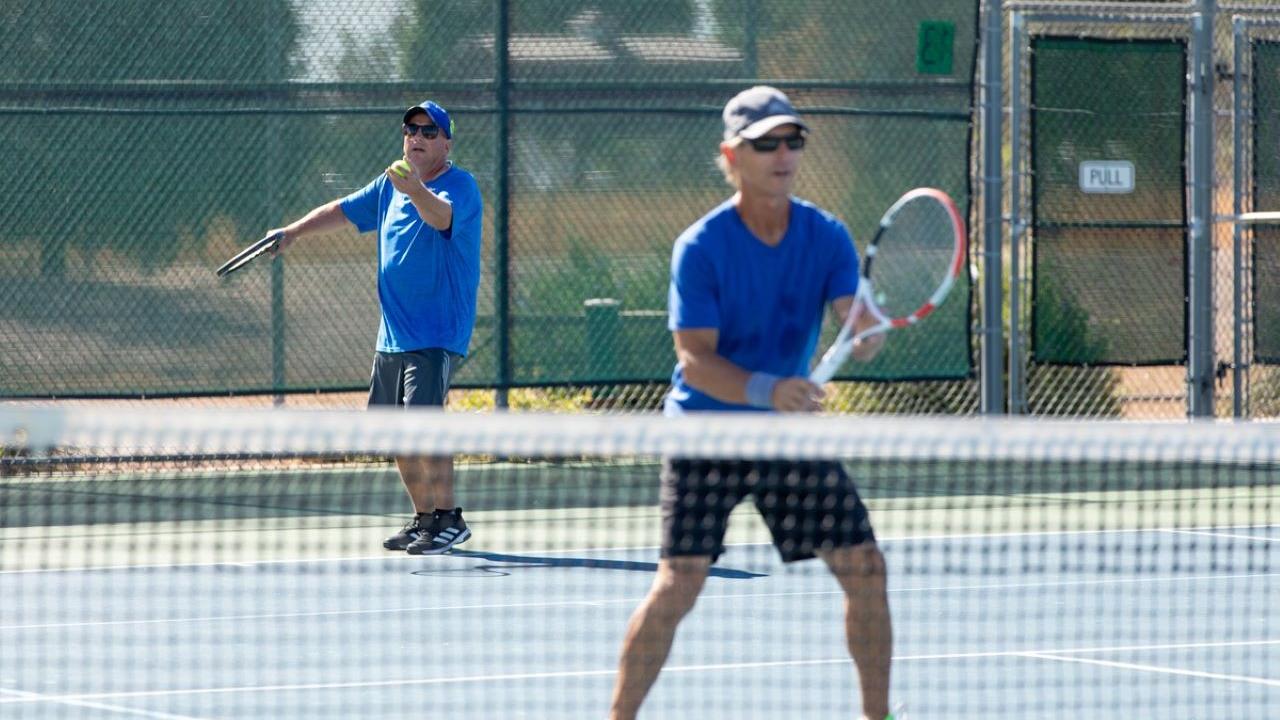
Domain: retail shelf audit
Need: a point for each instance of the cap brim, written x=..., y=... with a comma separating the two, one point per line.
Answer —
x=760, y=127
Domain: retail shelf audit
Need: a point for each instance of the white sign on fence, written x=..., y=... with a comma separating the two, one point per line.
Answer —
x=1106, y=176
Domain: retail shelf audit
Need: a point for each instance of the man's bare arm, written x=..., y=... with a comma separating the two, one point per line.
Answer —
x=711, y=373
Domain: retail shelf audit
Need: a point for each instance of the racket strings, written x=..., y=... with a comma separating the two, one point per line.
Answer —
x=913, y=257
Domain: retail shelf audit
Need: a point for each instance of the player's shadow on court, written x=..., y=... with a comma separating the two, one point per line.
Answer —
x=499, y=564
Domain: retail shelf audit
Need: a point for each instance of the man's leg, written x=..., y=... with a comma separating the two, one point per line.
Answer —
x=439, y=481
x=429, y=482
x=652, y=629
x=860, y=570
x=426, y=385
x=386, y=389
x=415, y=473
x=445, y=526
x=423, y=381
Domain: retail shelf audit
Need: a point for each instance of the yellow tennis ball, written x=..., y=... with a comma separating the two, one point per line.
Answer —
x=401, y=168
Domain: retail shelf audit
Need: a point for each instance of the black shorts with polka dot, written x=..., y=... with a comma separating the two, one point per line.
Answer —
x=808, y=506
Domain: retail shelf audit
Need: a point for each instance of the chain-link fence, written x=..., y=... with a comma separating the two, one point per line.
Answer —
x=1100, y=213
x=1254, y=351
x=151, y=142
x=1100, y=129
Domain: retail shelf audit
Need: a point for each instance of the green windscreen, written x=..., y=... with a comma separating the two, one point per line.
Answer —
x=147, y=147
x=1266, y=196
x=1108, y=218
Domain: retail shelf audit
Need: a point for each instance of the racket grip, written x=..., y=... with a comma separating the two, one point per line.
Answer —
x=827, y=368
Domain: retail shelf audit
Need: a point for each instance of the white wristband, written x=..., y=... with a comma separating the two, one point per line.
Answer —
x=760, y=389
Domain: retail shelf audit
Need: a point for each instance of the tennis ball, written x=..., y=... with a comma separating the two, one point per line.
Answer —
x=401, y=168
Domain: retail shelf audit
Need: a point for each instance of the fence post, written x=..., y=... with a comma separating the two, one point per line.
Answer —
x=502, y=206
x=277, y=330
x=992, y=345
x=1017, y=225
x=1237, y=206
x=274, y=212
x=1200, y=366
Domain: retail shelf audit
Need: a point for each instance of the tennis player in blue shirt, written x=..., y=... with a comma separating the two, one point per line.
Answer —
x=749, y=282
x=426, y=212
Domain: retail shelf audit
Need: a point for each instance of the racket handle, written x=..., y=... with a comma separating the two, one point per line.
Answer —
x=830, y=363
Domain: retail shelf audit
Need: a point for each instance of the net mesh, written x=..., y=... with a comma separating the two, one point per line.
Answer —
x=182, y=564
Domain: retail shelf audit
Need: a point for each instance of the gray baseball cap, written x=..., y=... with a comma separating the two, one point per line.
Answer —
x=755, y=111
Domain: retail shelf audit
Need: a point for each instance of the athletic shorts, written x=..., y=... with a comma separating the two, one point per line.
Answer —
x=807, y=506
x=415, y=378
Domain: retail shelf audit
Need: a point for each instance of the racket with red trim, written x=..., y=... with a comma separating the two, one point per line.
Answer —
x=907, y=270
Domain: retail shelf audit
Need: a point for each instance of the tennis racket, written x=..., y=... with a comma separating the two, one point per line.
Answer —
x=267, y=244
x=907, y=270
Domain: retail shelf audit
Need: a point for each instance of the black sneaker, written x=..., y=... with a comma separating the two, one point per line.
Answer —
x=442, y=532
x=412, y=531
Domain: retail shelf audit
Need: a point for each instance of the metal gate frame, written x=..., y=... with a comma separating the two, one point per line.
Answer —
x=1242, y=201
x=1199, y=27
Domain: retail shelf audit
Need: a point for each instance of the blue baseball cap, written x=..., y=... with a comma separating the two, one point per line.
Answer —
x=438, y=115
x=755, y=111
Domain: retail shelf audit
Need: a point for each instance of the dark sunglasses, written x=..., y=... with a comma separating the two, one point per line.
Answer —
x=770, y=144
x=428, y=131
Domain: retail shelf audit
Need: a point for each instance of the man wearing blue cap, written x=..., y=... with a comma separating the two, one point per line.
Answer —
x=427, y=214
x=749, y=282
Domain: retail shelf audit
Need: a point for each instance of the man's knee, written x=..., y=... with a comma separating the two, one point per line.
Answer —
x=678, y=585
x=856, y=563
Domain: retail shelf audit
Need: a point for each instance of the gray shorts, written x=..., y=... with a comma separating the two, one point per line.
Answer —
x=415, y=378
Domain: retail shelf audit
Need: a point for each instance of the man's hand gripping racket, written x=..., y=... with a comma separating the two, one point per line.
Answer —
x=908, y=268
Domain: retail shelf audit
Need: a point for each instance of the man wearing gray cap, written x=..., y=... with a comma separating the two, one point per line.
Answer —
x=749, y=282
x=426, y=211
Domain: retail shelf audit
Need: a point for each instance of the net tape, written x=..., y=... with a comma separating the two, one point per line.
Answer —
x=112, y=430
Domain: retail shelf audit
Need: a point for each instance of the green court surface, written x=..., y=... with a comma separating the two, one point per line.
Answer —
x=320, y=508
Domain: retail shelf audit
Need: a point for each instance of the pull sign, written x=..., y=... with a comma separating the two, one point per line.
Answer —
x=1106, y=176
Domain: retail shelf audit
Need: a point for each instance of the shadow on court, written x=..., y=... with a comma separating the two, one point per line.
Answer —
x=500, y=564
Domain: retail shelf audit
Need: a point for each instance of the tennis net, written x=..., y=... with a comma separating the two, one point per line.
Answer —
x=229, y=564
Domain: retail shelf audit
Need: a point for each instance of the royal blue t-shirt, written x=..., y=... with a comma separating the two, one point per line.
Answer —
x=427, y=278
x=766, y=302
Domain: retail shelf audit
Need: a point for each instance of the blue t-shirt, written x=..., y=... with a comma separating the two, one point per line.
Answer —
x=766, y=302
x=427, y=278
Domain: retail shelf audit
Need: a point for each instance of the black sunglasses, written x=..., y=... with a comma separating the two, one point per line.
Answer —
x=428, y=131
x=770, y=144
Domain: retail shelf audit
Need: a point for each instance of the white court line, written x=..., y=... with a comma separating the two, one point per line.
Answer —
x=61, y=700
x=637, y=548
x=1251, y=538
x=1158, y=669
x=417, y=681
x=1085, y=650
x=630, y=600
x=1068, y=533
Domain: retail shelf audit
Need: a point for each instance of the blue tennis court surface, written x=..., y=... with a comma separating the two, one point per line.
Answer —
x=1173, y=623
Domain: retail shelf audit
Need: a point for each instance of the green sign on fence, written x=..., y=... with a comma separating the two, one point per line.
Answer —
x=935, y=47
